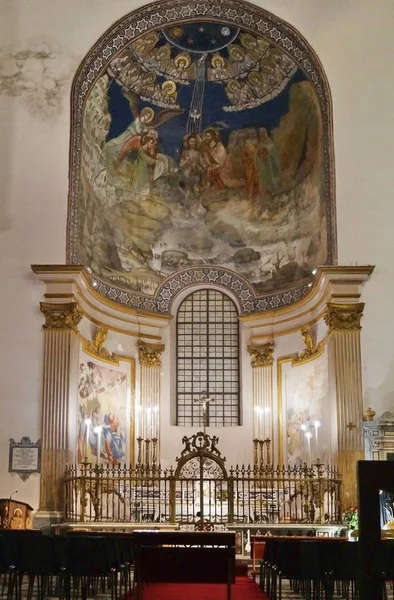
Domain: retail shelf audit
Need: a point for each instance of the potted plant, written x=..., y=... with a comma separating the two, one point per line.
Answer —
x=350, y=519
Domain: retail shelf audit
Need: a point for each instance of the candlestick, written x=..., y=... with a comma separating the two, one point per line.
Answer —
x=316, y=425
x=87, y=423
x=139, y=445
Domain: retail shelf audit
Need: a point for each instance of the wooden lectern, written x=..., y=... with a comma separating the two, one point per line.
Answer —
x=15, y=514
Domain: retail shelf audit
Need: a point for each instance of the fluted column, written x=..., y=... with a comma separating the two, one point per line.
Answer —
x=148, y=416
x=262, y=360
x=343, y=321
x=60, y=373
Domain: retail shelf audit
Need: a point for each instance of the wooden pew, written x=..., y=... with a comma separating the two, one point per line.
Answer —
x=184, y=557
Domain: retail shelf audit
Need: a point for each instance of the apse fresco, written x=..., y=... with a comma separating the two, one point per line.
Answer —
x=202, y=146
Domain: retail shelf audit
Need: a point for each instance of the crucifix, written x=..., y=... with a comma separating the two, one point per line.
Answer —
x=204, y=402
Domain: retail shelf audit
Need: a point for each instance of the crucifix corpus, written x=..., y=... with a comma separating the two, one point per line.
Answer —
x=203, y=402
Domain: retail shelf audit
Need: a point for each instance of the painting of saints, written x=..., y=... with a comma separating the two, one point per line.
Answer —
x=119, y=147
x=191, y=164
x=219, y=172
x=114, y=440
x=248, y=156
x=150, y=165
x=144, y=170
x=129, y=141
x=101, y=387
x=267, y=166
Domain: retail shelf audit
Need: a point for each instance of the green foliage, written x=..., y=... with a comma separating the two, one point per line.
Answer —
x=350, y=518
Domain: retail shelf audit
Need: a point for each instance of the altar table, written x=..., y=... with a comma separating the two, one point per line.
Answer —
x=184, y=557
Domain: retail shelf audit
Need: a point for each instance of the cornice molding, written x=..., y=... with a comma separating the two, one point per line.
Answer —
x=340, y=285
x=335, y=284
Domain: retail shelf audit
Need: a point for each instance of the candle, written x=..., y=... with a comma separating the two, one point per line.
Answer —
x=97, y=431
x=308, y=436
x=148, y=423
x=139, y=420
x=87, y=423
x=259, y=413
x=316, y=425
x=156, y=421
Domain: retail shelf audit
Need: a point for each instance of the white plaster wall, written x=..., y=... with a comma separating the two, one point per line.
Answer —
x=354, y=41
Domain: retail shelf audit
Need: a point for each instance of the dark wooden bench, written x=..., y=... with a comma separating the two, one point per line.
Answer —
x=184, y=557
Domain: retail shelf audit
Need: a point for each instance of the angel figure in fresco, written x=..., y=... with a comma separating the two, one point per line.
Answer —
x=143, y=122
x=165, y=94
x=183, y=68
x=144, y=45
x=240, y=60
x=239, y=93
x=219, y=70
x=256, y=83
x=159, y=59
x=256, y=48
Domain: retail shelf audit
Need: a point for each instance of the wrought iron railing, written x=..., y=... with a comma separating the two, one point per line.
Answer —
x=260, y=495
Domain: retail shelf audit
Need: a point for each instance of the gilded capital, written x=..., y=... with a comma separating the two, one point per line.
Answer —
x=61, y=316
x=344, y=316
x=261, y=356
x=150, y=354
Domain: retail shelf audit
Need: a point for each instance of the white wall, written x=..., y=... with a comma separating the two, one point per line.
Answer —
x=354, y=41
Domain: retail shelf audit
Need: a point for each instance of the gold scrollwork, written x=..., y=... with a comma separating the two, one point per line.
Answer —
x=262, y=355
x=150, y=354
x=344, y=316
x=61, y=316
x=311, y=349
x=97, y=346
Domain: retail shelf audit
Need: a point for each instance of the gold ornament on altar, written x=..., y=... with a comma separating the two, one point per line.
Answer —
x=261, y=356
x=344, y=317
x=61, y=316
x=150, y=354
x=369, y=414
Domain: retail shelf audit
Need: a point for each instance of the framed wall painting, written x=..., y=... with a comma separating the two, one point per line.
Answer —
x=105, y=410
x=304, y=411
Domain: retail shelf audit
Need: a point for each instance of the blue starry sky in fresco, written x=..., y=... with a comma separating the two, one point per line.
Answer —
x=197, y=38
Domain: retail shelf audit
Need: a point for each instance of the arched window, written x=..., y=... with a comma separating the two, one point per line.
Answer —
x=207, y=359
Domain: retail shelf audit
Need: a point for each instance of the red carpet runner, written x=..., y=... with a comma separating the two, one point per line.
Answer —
x=244, y=589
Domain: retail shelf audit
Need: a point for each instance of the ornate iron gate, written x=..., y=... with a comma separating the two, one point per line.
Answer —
x=201, y=484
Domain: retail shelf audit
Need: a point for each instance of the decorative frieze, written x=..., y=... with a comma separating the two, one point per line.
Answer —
x=61, y=316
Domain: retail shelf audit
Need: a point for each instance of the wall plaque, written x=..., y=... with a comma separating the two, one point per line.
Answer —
x=24, y=457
